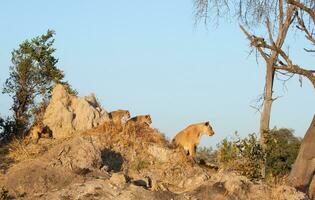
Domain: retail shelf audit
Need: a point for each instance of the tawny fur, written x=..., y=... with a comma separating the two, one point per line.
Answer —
x=39, y=131
x=119, y=115
x=141, y=119
x=189, y=138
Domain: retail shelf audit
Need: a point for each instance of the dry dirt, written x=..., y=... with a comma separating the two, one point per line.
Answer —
x=135, y=164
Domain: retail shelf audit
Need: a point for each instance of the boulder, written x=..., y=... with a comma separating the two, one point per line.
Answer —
x=81, y=154
x=67, y=114
x=36, y=177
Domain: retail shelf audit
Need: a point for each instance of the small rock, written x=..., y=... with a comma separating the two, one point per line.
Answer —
x=105, y=168
x=118, y=179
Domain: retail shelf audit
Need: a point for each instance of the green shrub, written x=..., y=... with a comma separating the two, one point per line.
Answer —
x=242, y=155
x=207, y=154
x=7, y=129
x=282, y=150
x=227, y=151
x=246, y=156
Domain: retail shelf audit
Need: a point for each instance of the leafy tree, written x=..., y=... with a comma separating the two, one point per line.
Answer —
x=282, y=150
x=32, y=76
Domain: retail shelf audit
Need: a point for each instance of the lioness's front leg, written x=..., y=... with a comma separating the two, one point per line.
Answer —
x=192, y=152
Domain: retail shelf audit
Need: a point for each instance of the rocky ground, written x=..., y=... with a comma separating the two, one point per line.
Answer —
x=104, y=162
x=97, y=165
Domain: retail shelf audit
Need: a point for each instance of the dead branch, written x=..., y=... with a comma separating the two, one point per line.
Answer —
x=309, y=36
x=309, y=50
x=256, y=42
x=301, y=6
x=295, y=69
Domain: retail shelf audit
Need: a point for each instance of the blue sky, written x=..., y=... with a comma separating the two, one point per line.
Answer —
x=148, y=57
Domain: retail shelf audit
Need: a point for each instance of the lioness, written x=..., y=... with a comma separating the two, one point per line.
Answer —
x=189, y=137
x=38, y=131
x=119, y=116
x=141, y=119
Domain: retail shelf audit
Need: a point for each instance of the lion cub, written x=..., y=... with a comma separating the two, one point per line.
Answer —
x=119, y=116
x=189, y=137
x=38, y=131
x=141, y=119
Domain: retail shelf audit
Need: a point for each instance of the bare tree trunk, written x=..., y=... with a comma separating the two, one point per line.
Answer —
x=304, y=166
x=265, y=115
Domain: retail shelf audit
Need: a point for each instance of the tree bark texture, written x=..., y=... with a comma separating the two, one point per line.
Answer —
x=304, y=166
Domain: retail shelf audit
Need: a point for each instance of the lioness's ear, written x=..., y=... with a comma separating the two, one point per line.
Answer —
x=207, y=123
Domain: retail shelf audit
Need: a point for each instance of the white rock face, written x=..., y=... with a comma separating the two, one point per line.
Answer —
x=67, y=114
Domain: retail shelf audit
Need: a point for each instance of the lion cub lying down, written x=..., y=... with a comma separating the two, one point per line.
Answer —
x=140, y=119
x=189, y=137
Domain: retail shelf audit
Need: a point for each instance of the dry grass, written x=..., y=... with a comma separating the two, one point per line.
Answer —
x=274, y=181
x=111, y=135
x=20, y=149
x=17, y=149
x=127, y=136
x=5, y=161
x=132, y=143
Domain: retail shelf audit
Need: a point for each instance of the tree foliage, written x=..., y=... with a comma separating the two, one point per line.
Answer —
x=206, y=154
x=7, y=128
x=245, y=154
x=32, y=76
x=282, y=150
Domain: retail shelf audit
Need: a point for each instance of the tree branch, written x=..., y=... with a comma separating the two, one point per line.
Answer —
x=300, y=5
x=295, y=69
x=255, y=42
x=308, y=35
x=260, y=44
x=280, y=13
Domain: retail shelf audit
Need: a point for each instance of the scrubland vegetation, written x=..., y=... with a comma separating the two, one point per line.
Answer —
x=141, y=152
x=245, y=154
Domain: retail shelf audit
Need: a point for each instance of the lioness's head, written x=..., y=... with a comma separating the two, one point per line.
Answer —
x=208, y=129
x=127, y=114
x=148, y=118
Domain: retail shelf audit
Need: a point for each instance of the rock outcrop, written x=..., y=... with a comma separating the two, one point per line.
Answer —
x=67, y=114
x=126, y=165
x=82, y=153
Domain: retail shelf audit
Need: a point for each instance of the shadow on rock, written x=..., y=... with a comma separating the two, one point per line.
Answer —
x=112, y=160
